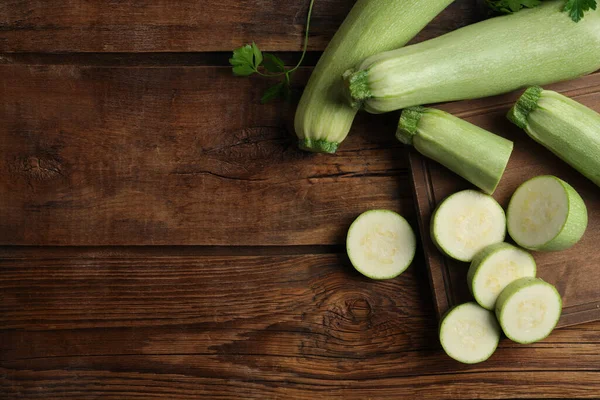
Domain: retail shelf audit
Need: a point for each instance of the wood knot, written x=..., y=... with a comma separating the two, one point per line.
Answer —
x=359, y=309
x=349, y=315
x=38, y=168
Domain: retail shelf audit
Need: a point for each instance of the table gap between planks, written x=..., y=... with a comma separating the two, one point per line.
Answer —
x=161, y=237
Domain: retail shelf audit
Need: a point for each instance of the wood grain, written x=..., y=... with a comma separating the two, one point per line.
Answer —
x=124, y=323
x=182, y=26
x=177, y=155
x=575, y=271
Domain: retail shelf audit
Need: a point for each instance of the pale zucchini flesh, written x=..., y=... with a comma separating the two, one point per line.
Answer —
x=381, y=244
x=567, y=128
x=546, y=214
x=467, y=222
x=323, y=118
x=494, y=267
x=528, y=310
x=469, y=333
x=531, y=47
x=475, y=154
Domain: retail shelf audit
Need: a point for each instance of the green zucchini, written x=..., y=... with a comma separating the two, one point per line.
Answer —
x=528, y=309
x=546, y=214
x=469, y=333
x=493, y=268
x=381, y=244
x=532, y=47
x=567, y=128
x=467, y=222
x=473, y=153
x=323, y=118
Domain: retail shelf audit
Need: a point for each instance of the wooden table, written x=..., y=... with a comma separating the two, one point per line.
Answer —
x=163, y=238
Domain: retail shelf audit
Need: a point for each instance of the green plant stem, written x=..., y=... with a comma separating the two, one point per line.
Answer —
x=310, y=8
x=305, y=48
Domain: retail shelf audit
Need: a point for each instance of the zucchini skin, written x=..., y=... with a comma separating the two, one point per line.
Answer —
x=323, y=119
x=535, y=46
x=567, y=128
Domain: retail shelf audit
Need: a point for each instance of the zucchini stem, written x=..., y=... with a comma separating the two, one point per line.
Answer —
x=318, y=145
x=407, y=127
x=524, y=106
x=357, y=87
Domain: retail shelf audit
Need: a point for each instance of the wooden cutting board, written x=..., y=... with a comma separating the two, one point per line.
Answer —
x=576, y=271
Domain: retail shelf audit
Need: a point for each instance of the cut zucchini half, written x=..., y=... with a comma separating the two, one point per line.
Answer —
x=466, y=222
x=381, y=244
x=493, y=268
x=469, y=333
x=546, y=214
x=528, y=310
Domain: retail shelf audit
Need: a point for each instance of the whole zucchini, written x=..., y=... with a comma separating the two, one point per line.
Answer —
x=532, y=47
x=565, y=127
x=323, y=118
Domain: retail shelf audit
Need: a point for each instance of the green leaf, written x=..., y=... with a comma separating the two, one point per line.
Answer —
x=514, y=5
x=258, y=57
x=511, y=6
x=273, y=63
x=243, y=70
x=273, y=92
x=499, y=6
x=247, y=59
x=242, y=56
x=577, y=8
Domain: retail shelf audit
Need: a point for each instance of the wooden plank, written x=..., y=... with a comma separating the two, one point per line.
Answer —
x=177, y=155
x=121, y=382
x=125, y=323
x=182, y=26
x=575, y=271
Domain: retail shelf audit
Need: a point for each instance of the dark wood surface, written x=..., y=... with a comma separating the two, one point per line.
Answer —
x=575, y=271
x=162, y=238
x=183, y=25
x=176, y=155
x=175, y=323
